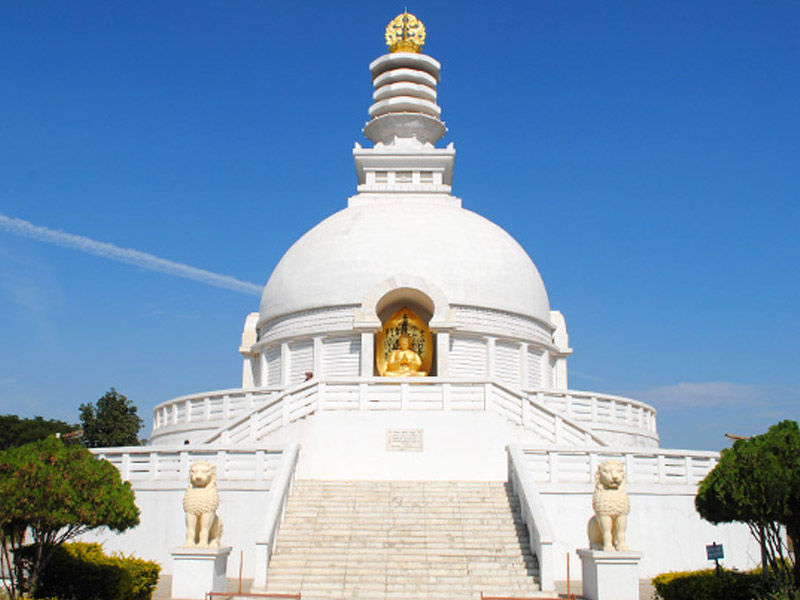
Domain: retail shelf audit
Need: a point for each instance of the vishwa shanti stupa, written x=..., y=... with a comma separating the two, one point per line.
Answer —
x=405, y=427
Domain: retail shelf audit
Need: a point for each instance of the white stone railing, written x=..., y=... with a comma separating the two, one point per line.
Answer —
x=278, y=496
x=619, y=420
x=220, y=405
x=599, y=409
x=139, y=464
x=410, y=394
x=540, y=531
x=657, y=466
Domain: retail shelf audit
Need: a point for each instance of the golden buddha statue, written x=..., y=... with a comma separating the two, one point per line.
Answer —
x=404, y=346
x=404, y=361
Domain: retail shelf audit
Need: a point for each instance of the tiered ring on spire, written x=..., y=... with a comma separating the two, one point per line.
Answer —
x=405, y=87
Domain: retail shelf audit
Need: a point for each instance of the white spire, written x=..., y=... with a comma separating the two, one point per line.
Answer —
x=404, y=165
x=405, y=99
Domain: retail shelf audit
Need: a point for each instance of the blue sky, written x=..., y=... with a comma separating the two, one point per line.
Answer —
x=645, y=155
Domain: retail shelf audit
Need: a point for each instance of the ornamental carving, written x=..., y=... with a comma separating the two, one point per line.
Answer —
x=405, y=33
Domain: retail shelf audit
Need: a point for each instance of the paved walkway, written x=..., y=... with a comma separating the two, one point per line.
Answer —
x=646, y=591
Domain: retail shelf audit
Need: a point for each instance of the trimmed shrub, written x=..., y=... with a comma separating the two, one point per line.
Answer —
x=82, y=571
x=709, y=585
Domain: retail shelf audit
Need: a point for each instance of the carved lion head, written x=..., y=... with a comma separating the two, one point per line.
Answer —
x=610, y=475
x=202, y=474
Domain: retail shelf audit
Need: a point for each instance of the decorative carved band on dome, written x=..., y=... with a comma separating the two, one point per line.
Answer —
x=501, y=323
x=302, y=323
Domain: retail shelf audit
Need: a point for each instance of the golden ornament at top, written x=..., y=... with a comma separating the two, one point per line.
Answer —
x=405, y=33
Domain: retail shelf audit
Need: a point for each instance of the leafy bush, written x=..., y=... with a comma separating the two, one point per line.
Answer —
x=81, y=571
x=708, y=585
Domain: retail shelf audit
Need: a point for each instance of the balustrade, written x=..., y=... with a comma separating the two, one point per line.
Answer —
x=565, y=465
x=255, y=465
x=556, y=416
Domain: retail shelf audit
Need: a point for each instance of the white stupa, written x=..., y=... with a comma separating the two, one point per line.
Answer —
x=478, y=395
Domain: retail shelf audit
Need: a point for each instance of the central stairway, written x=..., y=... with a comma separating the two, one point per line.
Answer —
x=402, y=539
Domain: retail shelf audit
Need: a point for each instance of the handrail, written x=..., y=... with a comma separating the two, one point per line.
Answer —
x=278, y=496
x=563, y=464
x=223, y=392
x=602, y=411
x=249, y=423
x=271, y=402
x=524, y=397
x=140, y=464
x=540, y=531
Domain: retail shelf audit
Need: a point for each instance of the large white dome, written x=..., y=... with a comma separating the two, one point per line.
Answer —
x=470, y=259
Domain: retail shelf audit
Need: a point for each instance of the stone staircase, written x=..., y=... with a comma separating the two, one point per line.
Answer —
x=389, y=539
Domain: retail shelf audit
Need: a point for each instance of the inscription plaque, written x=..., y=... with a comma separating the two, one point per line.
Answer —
x=404, y=440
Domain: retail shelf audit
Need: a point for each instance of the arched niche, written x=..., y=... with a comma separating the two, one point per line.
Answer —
x=422, y=295
x=419, y=302
x=401, y=300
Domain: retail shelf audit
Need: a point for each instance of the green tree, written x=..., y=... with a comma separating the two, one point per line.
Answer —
x=16, y=432
x=53, y=492
x=111, y=422
x=757, y=482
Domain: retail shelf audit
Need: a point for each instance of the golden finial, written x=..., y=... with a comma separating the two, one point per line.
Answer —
x=405, y=33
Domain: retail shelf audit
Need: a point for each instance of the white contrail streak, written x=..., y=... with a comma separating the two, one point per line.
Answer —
x=125, y=255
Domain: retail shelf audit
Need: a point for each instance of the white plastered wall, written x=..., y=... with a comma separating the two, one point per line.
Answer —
x=663, y=524
x=241, y=508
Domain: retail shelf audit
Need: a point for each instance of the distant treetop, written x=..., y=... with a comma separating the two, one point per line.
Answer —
x=112, y=421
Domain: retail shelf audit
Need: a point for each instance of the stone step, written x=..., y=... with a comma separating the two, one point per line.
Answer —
x=382, y=540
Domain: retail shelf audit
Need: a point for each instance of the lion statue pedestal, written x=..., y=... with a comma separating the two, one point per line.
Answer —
x=197, y=571
x=610, y=569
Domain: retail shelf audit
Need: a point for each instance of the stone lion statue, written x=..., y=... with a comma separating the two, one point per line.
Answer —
x=203, y=526
x=611, y=507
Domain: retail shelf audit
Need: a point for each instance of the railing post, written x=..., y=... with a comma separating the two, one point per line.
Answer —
x=154, y=465
x=630, y=474
x=321, y=395
x=253, y=427
x=206, y=408
x=526, y=413
x=222, y=467
x=446, y=397
x=285, y=415
x=126, y=466
x=594, y=409
x=487, y=392
x=403, y=396
x=558, y=424
x=260, y=462
x=184, y=465
x=688, y=467
x=593, y=462
x=662, y=468
x=226, y=406
x=363, y=399
x=552, y=465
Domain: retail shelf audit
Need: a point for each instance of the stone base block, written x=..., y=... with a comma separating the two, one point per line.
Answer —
x=197, y=571
x=610, y=575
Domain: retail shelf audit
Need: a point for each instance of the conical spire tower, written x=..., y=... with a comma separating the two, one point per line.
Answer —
x=404, y=125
